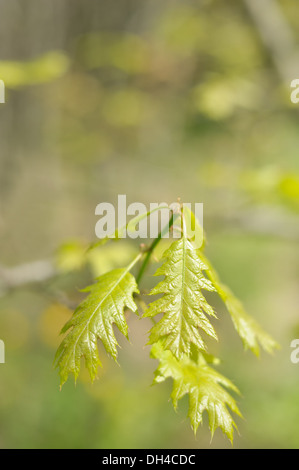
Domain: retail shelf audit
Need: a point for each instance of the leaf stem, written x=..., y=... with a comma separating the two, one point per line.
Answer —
x=135, y=260
x=153, y=246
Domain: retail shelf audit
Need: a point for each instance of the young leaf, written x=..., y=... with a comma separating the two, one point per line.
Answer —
x=194, y=230
x=250, y=331
x=93, y=319
x=205, y=387
x=183, y=305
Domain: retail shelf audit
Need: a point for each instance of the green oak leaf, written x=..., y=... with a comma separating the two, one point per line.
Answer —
x=183, y=305
x=205, y=386
x=252, y=334
x=93, y=319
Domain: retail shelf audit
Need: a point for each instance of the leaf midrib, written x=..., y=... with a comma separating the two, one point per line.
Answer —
x=97, y=307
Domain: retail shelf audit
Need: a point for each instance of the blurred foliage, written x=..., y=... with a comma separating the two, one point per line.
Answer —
x=154, y=100
x=43, y=69
x=74, y=255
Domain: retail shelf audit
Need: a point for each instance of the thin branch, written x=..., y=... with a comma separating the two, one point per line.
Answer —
x=277, y=36
x=262, y=221
x=27, y=273
x=165, y=230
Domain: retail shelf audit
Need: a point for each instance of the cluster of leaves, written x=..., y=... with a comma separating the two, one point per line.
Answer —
x=177, y=339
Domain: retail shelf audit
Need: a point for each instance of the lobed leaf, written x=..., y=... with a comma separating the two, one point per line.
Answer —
x=93, y=319
x=183, y=305
x=205, y=386
x=252, y=334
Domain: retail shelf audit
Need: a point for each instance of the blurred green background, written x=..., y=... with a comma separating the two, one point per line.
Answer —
x=155, y=100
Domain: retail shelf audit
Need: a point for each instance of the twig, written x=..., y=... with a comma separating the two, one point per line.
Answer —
x=277, y=36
